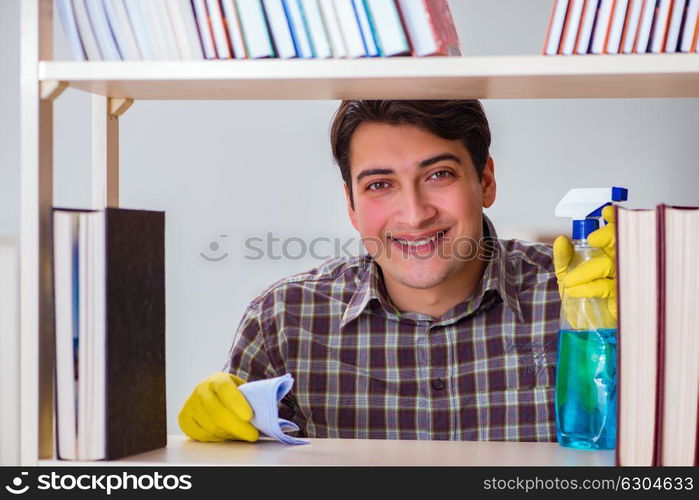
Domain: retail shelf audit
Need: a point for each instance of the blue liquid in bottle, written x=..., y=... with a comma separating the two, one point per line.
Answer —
x=586, y=395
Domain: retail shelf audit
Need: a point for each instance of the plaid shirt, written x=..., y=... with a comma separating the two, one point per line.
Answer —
x=484, y=370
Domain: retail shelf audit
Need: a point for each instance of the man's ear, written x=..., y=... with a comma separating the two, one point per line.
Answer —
x=488, y=185
x=350, y=210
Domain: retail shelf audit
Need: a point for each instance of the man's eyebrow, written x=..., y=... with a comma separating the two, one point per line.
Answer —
x=422, y=164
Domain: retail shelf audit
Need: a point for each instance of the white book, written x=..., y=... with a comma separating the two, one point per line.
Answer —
x=255, y=34
x=604, y=18
x=365, y=28
x=644, y=26
x=223, y=51
x=314, y=20
x=588, y=21
x=553, y=37
x=84, y=318
x=690, y=23
x=673, y=34
x=235, y=30
x=617, y=26
x=207, y=39
x=633, y=18
x=65, y=251
x=87, y=36
x=103, y=33
x=121, y=27
x=333, y=26
x=389, y=28
x=281, y=32
x=70, y=29
x=161, y=45
x=350, y=28
x=571, y=26
x=140, y=28
x=166, y=26
x=298, y=28
x=657, y=37
x=185, y=28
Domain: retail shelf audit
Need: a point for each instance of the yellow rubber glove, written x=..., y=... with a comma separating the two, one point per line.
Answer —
x=217, y=410
x=593, y=278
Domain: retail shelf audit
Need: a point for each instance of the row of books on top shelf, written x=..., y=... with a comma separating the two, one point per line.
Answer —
x=622, y=27
x=658, y=336
x=252, y=29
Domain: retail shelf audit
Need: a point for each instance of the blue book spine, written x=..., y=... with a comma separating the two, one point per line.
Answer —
x=364, y=28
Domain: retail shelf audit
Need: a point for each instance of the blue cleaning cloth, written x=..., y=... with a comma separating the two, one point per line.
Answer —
x=264, y=397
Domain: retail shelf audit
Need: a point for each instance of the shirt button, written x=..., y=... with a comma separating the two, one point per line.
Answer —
x=438, y=384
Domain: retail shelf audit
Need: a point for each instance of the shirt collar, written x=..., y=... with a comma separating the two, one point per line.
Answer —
x=498, y=276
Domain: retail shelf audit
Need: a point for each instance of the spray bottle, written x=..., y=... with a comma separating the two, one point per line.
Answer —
x=586, y=367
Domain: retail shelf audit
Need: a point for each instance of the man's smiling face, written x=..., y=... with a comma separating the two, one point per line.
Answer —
x=417, y=202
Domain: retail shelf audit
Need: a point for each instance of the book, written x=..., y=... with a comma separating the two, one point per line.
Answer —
x=103, y=33
x=316, y=29
x=218, y=27
x=368, y=39
x=430, y=27
x=184, y=25
x=619, y=13
x=332, y=25
x=658, y=340
x=160, y=31
x=677, y=14
x=64, y=9
x=589, y=14
x=109, y=288
x=555, y=28
x=279, y=28
x=235, y=30
x=121, y=28
x=140, y=28
x=255, y=32
x=571, y=27
x=660, y=26
x=644, y=26
x=204, y=26
x=87, y=35
x=299, y=31
x=349, y=27
x=633, y=17
x=602, y=25
x=386, y=24
x=678, y=383
x=637, y=339
x=690, y=26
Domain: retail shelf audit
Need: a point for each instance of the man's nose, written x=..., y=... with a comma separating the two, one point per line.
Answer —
x=415, y=209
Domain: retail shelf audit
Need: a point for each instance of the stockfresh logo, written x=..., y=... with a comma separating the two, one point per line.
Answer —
x=17, y=487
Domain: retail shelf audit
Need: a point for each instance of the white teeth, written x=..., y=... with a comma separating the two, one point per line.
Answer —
x=418, y=243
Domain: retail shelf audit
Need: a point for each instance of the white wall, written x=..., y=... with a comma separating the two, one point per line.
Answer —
x=246, y=168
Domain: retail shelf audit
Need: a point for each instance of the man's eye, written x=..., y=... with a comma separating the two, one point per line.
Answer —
x=377, y=186
x=442, y=174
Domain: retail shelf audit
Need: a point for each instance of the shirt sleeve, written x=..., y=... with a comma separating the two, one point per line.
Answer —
x=249, y=359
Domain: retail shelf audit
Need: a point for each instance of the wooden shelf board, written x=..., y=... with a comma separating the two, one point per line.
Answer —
x=498, y=77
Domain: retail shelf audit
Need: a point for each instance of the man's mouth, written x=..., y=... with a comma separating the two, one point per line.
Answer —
x=420, y=244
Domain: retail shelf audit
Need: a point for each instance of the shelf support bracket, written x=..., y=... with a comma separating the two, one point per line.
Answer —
x=51, y=89
x=119, y=105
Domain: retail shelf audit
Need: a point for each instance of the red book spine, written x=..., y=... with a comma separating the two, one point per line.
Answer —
x=443, y=27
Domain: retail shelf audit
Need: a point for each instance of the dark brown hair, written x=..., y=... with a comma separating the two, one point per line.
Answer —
x=449, y=119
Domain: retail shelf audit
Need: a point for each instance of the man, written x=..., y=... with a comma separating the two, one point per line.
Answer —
x=440, y=331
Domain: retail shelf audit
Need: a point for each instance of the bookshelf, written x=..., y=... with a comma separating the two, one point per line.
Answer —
x=115, y=85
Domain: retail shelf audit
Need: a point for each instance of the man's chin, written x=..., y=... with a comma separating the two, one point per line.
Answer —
x=419, y=277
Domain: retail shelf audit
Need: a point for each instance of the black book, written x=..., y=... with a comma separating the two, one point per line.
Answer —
x=110, y=332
